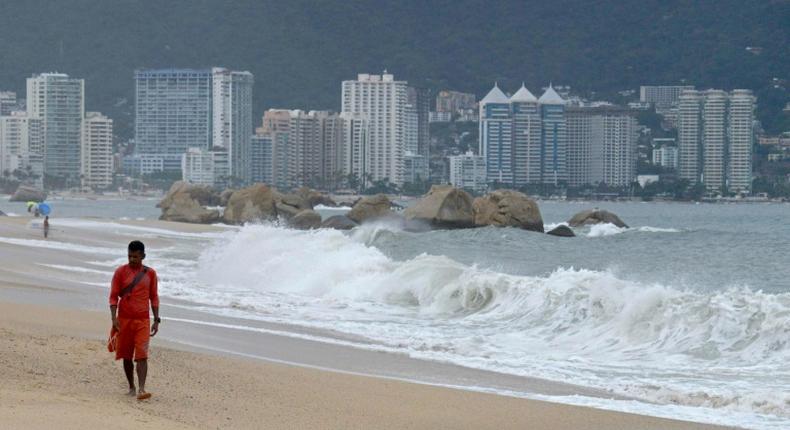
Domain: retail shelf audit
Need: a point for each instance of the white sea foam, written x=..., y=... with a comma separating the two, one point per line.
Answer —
x=650, y=341
x=600, y=230
x=51, y=244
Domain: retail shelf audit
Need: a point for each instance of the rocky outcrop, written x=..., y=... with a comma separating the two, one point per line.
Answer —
x=369, y=208
x=339, y=222
x=596, y=216
x=252, y=204
x=562, y=231
x=202, y=194
x=305, y=220
x=315, y=198
x=508, y=208
x=288, y=205
x=28, y=194
x=224, y=197
x=443, y=207
x=183, y=208
x=2, y=213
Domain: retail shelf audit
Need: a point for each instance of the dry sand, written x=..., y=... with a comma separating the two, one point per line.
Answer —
x=55, y=372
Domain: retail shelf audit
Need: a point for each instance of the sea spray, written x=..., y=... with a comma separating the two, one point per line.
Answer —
x=586, y=325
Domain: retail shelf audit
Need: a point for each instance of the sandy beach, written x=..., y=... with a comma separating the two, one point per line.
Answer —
x=57, y=373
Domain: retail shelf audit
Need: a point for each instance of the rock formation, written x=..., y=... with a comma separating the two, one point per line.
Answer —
x=508, y=208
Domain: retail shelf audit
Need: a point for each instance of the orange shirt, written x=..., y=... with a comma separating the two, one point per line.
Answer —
x=135, y=304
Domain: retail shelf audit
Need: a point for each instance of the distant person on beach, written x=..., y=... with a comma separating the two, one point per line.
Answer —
x=134, y=286
x=46, y=226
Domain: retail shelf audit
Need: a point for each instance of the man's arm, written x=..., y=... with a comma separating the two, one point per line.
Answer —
x=115, y=289
x=154, y=296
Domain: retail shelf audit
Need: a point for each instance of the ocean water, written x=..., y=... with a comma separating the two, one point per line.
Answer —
x=688, y=310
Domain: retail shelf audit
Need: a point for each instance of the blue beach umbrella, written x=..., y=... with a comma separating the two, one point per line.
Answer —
x=44, y=208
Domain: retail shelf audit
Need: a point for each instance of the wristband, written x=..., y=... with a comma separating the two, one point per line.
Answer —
x=157, y=320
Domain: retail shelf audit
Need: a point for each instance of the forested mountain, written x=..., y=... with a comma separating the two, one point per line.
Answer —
x=301, y=50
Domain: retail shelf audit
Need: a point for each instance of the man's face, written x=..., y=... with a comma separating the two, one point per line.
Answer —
x=136, y=258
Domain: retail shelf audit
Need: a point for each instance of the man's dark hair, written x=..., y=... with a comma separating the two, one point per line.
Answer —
x=136, y=245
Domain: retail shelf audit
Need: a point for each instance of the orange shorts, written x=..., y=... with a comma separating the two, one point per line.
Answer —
x=133, y=339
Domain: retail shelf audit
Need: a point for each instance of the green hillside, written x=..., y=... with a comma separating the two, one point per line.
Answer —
x=300, y=50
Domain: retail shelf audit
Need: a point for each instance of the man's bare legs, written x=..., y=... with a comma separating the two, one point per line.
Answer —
x=142, y=372
x=128, y=369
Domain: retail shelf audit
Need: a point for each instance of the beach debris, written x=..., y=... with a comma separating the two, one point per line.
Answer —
x=508, y=208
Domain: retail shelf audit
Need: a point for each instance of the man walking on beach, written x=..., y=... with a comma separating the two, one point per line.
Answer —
x=133, y=287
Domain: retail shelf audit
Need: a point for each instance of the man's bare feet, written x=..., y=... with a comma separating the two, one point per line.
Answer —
x=142, y=395
x=132, y=392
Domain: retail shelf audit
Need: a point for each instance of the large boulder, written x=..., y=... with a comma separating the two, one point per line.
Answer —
x=27, y=193
x=203, y=194
x=339, y=222
x=561, y=231
x=183, y=208
x=288, y=205
x=443, y=207
x=315, y=198
x=596, y=216
x=224, y=197
x=305, y=220
x=508, y=208
x=369, y=208
x=252, y=204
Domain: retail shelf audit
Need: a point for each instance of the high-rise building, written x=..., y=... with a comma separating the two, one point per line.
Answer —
x=382, y=101
x=468, y=171
x=526, y=131
x=59, y=101
x=96, y=167
x=741, y=141
x=172, y=113
x=21, y=143
x=666, y=156
x=689, y=135
x=206, y=167
x=415, y=158
x=602, y=145
x=553, y=138
x=232, y=118
x=177, y=109
x=355, y=150
x=496, y=137
x=8, y=102
x=662, y=95
x=522, y=138
x=715, y=136
x=261, y=158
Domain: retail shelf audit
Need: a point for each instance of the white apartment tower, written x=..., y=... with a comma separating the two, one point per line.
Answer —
x=21, y=142
x=382, y=101
x=96, y=168
x=59, y=101
x=231, y=111
x=715, y=136
x=741, y=140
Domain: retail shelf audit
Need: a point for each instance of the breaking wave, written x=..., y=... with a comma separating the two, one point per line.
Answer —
x=651, y=341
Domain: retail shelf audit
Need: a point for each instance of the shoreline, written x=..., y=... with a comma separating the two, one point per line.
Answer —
x=54, y=359
x=265, y=344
